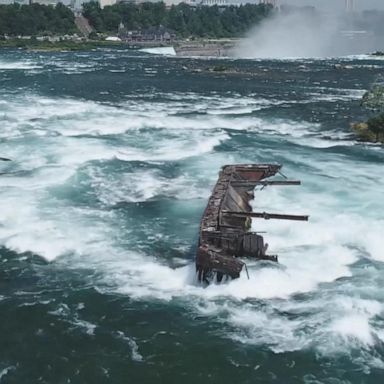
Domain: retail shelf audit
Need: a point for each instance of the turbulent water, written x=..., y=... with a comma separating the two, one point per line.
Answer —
x=114, y=156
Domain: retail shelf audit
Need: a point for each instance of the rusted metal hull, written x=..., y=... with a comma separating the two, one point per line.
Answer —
x=224, y=229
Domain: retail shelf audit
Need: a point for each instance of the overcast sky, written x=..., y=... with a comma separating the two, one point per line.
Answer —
x=337, y=4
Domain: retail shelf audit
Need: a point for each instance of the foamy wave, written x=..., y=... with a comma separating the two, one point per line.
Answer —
x=363, y=57
x=176, y=150
x=317, y=261
x=136, y=356
x=19, y=65
x=340, y=95
x=66, y=117
x=6, y=370
x=167, y=51
x=143, y=185
x=354, y=327
x=55, y=203
x=323, y=325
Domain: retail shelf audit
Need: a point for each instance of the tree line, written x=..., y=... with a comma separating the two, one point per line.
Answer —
x=34, y=19
x=184, y=20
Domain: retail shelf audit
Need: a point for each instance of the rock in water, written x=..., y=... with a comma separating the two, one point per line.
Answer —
x=374, y=99
x=361, y=130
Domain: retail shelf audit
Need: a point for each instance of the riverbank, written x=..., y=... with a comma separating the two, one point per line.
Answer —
x=183, y=48
x=206, y=47
x=64, y=45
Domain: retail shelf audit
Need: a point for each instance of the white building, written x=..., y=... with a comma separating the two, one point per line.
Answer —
x=45, y=2
x=104, y=3
x=196, y=3
x=219, y=3
x=42, y=2
x=5, y=2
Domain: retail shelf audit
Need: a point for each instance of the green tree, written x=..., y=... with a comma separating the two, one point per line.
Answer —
x=376, y=125
x=93, y=13
x=16, y=19
x=202, y=21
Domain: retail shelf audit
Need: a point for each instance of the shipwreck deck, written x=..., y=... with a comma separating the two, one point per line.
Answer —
x=224, y=228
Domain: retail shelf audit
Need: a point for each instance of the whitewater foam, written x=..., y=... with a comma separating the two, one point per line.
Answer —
x=18, y=65
x=167, y=51
x=6, y=370
x=75, y=161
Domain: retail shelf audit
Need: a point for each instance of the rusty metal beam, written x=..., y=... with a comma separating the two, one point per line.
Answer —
x=265, y=215
x=246, y=183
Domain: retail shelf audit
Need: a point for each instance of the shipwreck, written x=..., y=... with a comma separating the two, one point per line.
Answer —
x=225, y=234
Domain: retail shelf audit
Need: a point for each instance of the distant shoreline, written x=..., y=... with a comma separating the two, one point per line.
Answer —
x=65, y=45
x=183, y=48
x=224, y=47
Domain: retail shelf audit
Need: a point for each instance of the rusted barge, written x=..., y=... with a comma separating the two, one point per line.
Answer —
x=225, y=227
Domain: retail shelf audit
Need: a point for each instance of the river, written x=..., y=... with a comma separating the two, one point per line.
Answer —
x=114, y=156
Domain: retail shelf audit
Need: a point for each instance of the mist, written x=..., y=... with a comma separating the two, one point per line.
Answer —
x=307, y=33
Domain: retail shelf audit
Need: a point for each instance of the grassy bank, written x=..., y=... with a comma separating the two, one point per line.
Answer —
x=186, y=46
x=65, y=45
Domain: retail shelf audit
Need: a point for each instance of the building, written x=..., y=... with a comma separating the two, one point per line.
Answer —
x=151, y=34
x=26, y=2
x=45, y=2
x=209, y=3
x=104, y=3
x=270, y=2
x=220, y=3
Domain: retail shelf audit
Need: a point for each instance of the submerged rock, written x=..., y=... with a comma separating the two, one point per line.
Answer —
x=362, y=130
x=374, y=98
x=366, y=133
x=373, y=129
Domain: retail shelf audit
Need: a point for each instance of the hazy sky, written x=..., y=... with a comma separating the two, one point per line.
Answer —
x=338, y=4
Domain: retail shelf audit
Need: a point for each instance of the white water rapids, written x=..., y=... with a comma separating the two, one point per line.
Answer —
x=54, y=201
